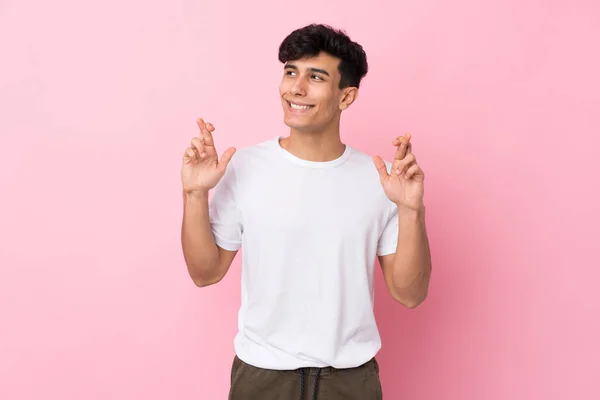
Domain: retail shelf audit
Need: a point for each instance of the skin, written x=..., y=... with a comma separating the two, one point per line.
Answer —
x=407, y=272
x=201, y=170
x=314, y=133
x=314, y=136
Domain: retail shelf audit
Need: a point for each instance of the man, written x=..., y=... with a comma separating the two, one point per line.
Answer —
x=312, y=215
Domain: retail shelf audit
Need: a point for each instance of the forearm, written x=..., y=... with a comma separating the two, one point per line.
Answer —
x=200, y=251
x=412, y=262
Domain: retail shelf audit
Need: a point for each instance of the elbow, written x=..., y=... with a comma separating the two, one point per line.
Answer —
x=203, y=277
x=206, y=281
x=202, y=283
x=411, y=297
x=411, y=302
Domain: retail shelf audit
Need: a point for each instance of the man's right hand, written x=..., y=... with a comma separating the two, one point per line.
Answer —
x=202, y=169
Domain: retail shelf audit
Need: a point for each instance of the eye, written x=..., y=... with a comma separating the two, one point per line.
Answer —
x=317, y=77
x=289, y=72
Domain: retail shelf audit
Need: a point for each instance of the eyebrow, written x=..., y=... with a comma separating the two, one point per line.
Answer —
x=317, y=70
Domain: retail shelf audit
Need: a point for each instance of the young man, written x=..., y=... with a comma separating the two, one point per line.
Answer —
x=312, y=214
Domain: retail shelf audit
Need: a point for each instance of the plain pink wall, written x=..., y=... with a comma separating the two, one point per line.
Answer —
x=98, y=102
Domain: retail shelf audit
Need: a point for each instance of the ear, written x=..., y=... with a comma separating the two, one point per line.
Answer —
x=349, y=95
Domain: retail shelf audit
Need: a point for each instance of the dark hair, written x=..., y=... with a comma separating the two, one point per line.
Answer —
x=310, y=40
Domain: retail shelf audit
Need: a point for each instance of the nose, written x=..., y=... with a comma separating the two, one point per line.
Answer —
x=298, y=89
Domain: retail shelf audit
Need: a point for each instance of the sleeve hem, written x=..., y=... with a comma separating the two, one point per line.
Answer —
x=384, y=251
x=229, y=245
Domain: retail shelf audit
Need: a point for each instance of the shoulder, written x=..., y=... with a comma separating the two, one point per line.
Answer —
x=364, y=172
x=362, y=161
x=249, y=154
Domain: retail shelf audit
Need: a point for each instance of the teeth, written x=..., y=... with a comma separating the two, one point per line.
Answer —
x=299, y=107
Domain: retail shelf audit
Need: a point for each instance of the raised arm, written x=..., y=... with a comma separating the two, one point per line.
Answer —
x=206, y=262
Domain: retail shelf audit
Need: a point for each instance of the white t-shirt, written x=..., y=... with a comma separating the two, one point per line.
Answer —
x=310, y=233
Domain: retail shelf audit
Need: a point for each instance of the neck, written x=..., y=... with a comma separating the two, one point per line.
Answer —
x=319, y=146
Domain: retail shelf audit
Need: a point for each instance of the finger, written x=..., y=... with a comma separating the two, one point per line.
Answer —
x=226, y=157
x=381, y=167
x=198, y=147
x=208, y=139
x=402, y=150
x=408, y=147
x=205, y=134
x=201, y=124
x=397, y=141
x=189, y=156
x=412, y=171
x=399, y=166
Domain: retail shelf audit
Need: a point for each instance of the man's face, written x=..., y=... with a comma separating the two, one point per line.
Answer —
x=310, y=93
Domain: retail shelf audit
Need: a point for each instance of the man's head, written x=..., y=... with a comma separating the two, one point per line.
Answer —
x=323, y=69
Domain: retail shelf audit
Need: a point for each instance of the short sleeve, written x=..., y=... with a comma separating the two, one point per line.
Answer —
x=388, y=241
x=224, y=212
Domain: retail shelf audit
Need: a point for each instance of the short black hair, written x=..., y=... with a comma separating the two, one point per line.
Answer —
x=312, y=39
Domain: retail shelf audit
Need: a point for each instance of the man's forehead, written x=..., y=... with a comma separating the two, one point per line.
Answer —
x=322, y=61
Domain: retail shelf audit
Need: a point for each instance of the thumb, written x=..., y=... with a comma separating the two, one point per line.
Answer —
x=381, y=168
x=225, y=158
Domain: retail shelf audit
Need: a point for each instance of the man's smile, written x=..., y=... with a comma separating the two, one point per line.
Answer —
x=295, y=106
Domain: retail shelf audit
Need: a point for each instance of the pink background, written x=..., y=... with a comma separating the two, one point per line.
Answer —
x=98, y=102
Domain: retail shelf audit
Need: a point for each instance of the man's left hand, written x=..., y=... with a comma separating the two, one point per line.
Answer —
x=404, y=185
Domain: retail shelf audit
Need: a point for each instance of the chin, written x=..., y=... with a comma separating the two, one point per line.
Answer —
x=297, y=125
